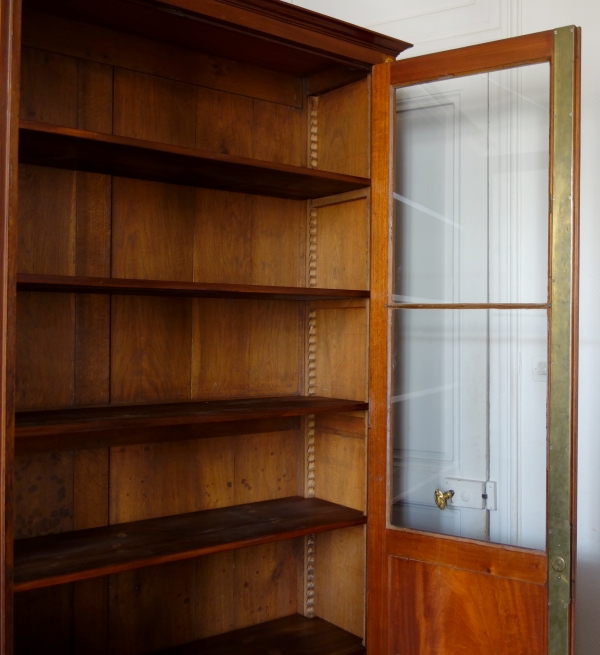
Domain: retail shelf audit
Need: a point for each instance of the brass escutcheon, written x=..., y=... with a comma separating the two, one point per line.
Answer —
x=441, y=498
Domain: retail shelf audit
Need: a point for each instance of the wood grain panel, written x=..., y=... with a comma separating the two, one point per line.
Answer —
x=93, y=211
x=224, y=122
x=43, y=621
x=340, y=578
x=150, y=349
x=266, y=466
x=92, y=334
x=154, y=108
x=172, y=478
x=502, y=561
x=153, y=230
x=95, y=96
x=343, y=245
x=59, y=558
x=277, y=133
x=46, y=326
x=63, y=90
x=49, y=88
x=261, y=358
x=504, y=53
x=148, y=481
x=341, y=353
x=292, y=635
x=46, y=221
x=90, y=510
x=378, y=362
x=276, y=347
x=164, y=606
x=92, y=351
x=220, y=372
x=437, y=610
x=45, y=350
x=249, y=239
x=344, y=129
x=350, y=424
x=340, y=469
x=222, y=237
x=278, y=246
x=90, y=488
x=214, y=584
x=264, y=586
x=106, y=46
x=43, y=494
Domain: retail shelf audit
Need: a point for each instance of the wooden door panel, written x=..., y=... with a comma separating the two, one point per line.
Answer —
x=432, y=594
x=440, y=610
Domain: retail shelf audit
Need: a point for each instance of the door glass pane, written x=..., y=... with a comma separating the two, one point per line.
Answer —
x=468, y=414
x=471, y=188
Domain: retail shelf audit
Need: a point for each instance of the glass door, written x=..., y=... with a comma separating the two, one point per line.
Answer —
x=472, y=393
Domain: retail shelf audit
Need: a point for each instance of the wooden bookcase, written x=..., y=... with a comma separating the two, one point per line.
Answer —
x=189, y=291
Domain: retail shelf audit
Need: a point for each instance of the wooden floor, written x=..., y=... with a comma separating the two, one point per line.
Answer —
x=82, y=554
x=292, y=635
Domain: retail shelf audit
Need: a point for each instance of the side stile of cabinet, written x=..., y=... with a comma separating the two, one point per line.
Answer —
x=10, y=51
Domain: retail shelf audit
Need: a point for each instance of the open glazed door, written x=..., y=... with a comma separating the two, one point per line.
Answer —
x=474, y=349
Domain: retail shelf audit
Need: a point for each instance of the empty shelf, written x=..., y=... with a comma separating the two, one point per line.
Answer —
x=292, y=635
x=69, y=556
x=121, y=286
x=114, y=425
x=74, y=149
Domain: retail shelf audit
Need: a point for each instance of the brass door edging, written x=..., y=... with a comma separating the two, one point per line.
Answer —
x=562, y=343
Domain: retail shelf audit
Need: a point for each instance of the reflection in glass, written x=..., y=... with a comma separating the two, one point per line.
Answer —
x=471, y=189
x=468, y=408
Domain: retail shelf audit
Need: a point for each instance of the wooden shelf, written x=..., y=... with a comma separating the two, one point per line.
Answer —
x=69, y=556
x=73, y=149
x=113, y=425
x=108, y=285
x=292, y=635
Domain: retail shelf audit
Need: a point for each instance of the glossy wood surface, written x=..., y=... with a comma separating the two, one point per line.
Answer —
x=381, y=139
x=292, y=635
x=74, y=149
x=494, y=559
x=439, y=610
x=267, y=33
x=424, y=588
x=56, y=559
x=135, y=287
x=214, y=411
x=103, y=46
x=495, y=55
x=10, y=28
x=84, y=442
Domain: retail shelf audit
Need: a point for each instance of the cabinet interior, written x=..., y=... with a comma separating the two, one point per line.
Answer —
x=244, y=328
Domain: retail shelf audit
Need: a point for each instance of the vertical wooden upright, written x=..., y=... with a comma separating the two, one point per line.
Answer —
x=381, y=188
x=10, y=13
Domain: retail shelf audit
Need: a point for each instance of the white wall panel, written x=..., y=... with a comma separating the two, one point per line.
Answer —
x=430, y=24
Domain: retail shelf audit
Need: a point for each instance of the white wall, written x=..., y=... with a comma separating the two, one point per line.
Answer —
x=440, y=24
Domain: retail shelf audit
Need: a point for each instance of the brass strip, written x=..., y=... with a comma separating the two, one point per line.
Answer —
x=561, y=432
